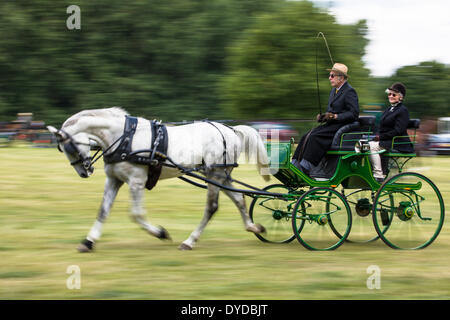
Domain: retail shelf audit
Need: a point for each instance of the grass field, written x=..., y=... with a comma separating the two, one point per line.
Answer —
x=46, y=209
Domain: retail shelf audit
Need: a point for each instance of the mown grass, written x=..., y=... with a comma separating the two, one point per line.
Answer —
x=46, y=209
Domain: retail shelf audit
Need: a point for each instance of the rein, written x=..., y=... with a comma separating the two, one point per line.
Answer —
x=94, y=159
x=70, y=145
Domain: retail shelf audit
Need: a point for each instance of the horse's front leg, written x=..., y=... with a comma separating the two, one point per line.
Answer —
x=137, y=189
x=112, y=186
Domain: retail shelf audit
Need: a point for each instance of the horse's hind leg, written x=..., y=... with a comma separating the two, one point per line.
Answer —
x=138, y=212
x=212, y=204
x=112, y=186
x=239, y=200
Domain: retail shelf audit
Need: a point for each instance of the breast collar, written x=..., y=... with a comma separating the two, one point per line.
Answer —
x=158, y=146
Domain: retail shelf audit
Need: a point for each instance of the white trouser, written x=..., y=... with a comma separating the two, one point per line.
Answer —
x=375, y=159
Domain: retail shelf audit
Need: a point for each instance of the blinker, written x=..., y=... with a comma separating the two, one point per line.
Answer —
x=70, y=148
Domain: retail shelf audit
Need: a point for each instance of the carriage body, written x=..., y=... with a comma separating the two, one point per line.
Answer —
x=406, y=211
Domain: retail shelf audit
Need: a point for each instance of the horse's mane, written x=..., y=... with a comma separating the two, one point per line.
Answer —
x=108, y=112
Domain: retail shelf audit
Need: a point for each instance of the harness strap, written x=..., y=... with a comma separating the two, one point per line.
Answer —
x=159, y=138
x=159, y=145
x=129, y=131
x=124, y=148
x=224, y=143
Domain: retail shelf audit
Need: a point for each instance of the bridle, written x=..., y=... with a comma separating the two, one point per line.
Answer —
x=122, y=152
x=71, y=147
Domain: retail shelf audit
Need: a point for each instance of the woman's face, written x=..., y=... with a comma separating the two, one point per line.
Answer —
x=394, y=97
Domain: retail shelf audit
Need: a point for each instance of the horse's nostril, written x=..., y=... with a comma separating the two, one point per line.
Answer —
x=83, y=175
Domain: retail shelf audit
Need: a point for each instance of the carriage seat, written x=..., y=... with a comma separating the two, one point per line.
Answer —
x=412, y=124
x=396, y=159
x=364, y=124
x=353, y=132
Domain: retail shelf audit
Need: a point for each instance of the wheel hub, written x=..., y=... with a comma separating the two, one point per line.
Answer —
x=363, y=207
x=277, y=214
x=322, y=219
x=404, y=211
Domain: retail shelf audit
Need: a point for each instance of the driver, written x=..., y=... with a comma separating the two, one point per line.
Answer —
x=343, y=108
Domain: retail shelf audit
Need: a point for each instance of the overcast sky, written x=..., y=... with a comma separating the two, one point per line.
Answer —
x=401, y=32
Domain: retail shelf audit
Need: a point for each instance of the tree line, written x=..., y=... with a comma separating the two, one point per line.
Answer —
x=189, y=59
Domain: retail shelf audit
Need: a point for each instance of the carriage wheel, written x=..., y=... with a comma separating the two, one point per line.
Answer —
x=321, y=219
x=361, y=204
x=274, y=214
x=408, y=211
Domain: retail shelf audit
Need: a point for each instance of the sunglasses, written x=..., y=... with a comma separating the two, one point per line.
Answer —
x=332, y=75
x=392, y=94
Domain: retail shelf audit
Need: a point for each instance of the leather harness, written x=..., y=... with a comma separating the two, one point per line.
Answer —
x=157, y=151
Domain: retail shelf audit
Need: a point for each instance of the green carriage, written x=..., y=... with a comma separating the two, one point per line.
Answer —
x=341, y=201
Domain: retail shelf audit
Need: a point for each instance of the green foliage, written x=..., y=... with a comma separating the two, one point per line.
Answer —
x=187, y=59
x=272, y=67
x=427, y=93
x=158, y=58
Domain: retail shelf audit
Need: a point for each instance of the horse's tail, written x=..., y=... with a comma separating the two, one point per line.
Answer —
x=254, y=149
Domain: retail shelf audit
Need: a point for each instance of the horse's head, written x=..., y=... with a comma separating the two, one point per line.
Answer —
x=77, y=149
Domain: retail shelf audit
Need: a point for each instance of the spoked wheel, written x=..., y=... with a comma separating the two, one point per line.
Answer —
x=361, y=204
x=274, y=214
x=321, y=219
x=408, y=211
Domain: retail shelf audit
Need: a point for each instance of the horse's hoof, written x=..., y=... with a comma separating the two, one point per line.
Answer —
x=256, y=228
x=260, y=228
x=184, y=247
x=86, y=246
x=163, y=234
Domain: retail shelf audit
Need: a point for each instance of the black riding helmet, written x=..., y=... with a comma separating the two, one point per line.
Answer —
x=398, y=87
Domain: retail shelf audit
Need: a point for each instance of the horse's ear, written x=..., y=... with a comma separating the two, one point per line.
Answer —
x=52, y=129
x=94, y=145
x=58, y=133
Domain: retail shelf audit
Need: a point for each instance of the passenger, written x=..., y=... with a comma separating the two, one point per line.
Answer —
x=343, y=108
x=393, y=122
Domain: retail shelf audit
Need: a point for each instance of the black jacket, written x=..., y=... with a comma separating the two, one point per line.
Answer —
x=394, y=123
x=344, y=103
x=314, y=145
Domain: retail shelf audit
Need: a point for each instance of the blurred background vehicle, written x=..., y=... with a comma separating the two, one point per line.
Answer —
x=275, y=131
x=440, y=143
x=25, y=131
x=443, y=125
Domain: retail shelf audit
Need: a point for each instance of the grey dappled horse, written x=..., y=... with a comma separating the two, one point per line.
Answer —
x=190, y=145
